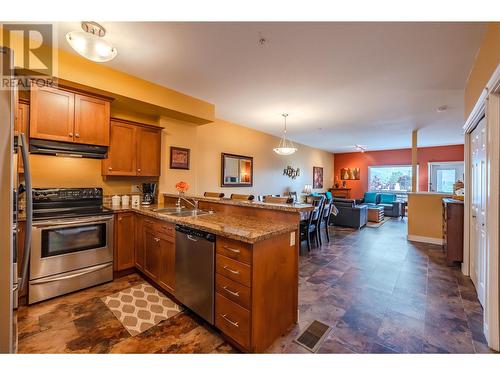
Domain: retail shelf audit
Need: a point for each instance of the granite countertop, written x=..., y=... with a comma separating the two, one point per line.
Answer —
x=242, y=228
x=296, y=207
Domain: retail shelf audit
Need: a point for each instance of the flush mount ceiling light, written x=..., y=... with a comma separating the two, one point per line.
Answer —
x=90, y=42
x=442, y=108
x=285, y=147
x=360, y=148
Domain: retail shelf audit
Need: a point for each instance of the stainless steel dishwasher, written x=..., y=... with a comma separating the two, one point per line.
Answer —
x=195, y=270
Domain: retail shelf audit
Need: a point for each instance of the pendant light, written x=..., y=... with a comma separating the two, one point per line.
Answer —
x=90, y=43
x=285, y=147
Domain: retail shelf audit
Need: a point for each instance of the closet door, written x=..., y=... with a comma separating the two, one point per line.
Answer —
x=478, y=207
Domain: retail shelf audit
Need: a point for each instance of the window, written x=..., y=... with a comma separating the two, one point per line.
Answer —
x=443, y=175
x=393, y=178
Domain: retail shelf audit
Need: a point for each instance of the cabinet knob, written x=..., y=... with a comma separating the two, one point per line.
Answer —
x=77, y=135
x=138, y=169
x=110, y=168
x=70, y=134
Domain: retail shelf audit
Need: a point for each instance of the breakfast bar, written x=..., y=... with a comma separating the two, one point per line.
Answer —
x=255, y=261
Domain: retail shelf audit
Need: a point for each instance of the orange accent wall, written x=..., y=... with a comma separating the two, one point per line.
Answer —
x=363, y=160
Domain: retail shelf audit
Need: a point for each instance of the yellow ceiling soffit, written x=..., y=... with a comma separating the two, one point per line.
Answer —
x=130, y=92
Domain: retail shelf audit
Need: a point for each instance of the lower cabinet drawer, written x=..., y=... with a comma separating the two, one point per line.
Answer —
x=233, y=320
x=233, y=291
x=233, y=270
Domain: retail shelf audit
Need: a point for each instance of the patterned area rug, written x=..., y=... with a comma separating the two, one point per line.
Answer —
x=141, y=307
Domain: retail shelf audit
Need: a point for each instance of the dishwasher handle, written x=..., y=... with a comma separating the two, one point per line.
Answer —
x=195, y=234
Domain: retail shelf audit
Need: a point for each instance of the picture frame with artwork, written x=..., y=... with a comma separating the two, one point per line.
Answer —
x=179, y=157
x=317, y=177
x=350, y=174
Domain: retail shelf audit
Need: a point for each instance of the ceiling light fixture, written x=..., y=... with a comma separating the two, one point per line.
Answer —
x=360, y=148
x=442, y=108
x=285, y=147
x=90, y=42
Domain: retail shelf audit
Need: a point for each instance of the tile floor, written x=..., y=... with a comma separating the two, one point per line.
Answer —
x=380, y=293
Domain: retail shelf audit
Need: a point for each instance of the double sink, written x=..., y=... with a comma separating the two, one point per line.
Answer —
x=181, y=212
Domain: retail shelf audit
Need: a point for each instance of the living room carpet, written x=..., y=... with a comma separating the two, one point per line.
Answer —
x=141, y=307
x=372, y=224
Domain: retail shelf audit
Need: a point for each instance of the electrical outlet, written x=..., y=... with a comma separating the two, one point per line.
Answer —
x=292, y=238
x=136, y=189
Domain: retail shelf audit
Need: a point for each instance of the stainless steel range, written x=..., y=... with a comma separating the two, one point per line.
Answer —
x=72, y=245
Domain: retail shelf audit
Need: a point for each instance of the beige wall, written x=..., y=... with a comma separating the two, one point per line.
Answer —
x=52, y=171
x=207, y=142
x=487, y=59
x=425, y=215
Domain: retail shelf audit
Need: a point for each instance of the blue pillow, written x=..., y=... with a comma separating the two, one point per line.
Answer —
x=387, y=198
x=329, y=194
x=370, y=198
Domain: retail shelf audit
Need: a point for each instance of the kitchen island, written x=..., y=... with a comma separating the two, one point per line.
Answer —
x=256, y=261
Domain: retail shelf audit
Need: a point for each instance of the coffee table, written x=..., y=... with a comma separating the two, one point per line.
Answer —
x=376, y=214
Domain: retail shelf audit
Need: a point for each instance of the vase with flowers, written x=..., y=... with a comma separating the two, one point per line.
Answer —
x=182, y=187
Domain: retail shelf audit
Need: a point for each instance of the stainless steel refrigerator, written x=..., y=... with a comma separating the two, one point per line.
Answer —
x=13, y=145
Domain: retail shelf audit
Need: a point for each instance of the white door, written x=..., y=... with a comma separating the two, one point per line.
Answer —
x=478, y=194
x=442, y=176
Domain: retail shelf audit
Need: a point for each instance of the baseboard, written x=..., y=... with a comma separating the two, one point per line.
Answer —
x=431, y=240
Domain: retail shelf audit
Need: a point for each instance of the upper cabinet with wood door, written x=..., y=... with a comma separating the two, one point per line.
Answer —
x=121, y=159
x=60, y=115
x=91, y=120
x=134, y=150
x=148, y=151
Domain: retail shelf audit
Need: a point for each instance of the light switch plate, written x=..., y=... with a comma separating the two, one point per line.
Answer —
x=292, y=238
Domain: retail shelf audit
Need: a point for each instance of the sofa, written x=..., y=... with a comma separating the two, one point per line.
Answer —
x=392, y=207
x=350, y=214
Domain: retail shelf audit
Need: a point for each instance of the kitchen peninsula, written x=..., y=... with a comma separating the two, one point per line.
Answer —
x=256, y=260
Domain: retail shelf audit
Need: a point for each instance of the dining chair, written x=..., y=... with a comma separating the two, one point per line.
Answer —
x=308, y=226
x=272, y=199
x=209, y=194
x=325, y=218
x=242, y=197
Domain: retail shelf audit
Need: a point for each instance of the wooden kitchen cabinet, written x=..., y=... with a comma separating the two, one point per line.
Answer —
x=453, y=230
x=250, y=293
x=121, y=160
x=151, y=254
x=148, y=152
x=166, y=277
x=156, y=255
x=139, y=242
x=124, y=252
x=22, y=119
x=135, y=150
x=91, y=120
x=52, y=114
x=62, y=115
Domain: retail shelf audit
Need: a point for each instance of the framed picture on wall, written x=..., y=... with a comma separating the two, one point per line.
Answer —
x=317, y=177
x=179, y=157
x=350, y=174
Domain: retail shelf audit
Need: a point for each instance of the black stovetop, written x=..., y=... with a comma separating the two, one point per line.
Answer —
x=61, y=203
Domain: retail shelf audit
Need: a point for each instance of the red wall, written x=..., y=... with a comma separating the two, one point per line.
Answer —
x=363, y=160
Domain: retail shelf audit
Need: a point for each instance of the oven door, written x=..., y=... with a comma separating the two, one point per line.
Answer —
x=66, y=245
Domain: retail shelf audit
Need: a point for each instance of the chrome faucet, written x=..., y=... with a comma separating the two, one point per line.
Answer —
x=194, y=203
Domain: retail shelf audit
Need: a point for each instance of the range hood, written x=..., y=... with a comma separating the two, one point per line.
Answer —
x=41, y=146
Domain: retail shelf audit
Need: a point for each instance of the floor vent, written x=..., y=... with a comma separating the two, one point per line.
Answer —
x=313, y=336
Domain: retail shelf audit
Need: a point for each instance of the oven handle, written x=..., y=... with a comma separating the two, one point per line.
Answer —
x=90, y=220
x=78, y=274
